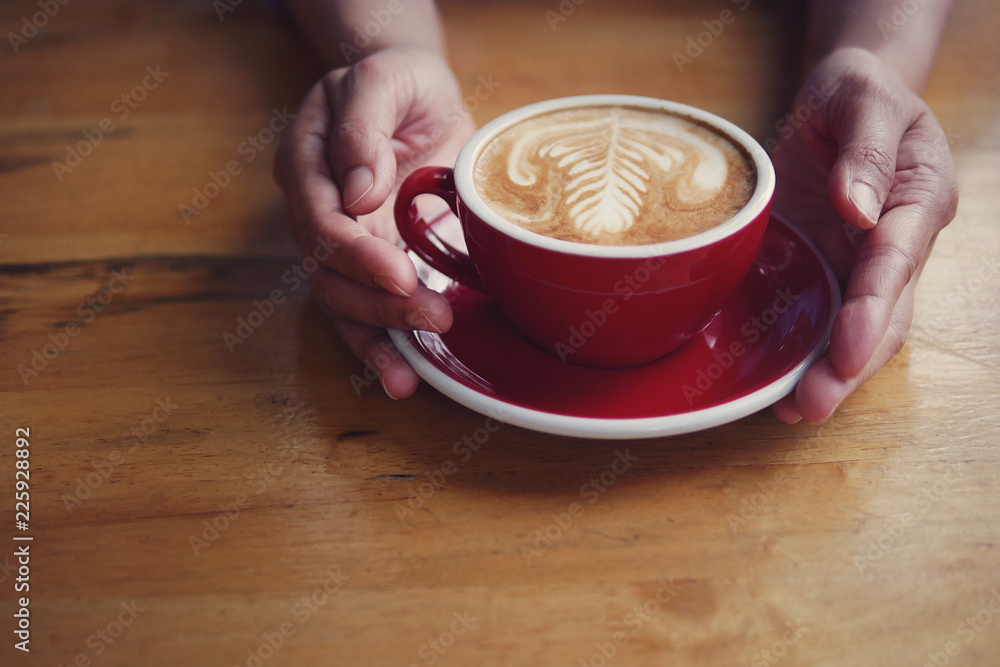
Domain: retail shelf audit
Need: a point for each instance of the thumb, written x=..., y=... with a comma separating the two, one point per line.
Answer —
x=867, y=133
x=364, y=111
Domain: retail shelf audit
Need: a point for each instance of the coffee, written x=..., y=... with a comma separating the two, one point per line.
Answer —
x=614, y=175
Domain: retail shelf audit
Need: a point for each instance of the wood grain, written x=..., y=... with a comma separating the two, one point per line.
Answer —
x=198, y=502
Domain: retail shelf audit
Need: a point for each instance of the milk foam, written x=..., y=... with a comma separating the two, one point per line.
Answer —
x=600, y=170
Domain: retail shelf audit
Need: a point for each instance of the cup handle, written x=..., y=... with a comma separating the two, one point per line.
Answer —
x=418, y=234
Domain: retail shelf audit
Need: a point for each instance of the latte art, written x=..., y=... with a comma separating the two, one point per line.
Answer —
x=609, y=163
x=614, y=175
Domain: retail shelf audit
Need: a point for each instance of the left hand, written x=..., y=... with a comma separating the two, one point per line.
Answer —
x=358, y=133
x=864, y=169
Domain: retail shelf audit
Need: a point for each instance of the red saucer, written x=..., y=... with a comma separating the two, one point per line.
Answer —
x=772, y=329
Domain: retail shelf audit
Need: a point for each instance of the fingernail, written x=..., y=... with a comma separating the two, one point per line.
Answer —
x=865, y=200
x=358, y=182
x=423, y=319
x=388, y=393
x=391, y=285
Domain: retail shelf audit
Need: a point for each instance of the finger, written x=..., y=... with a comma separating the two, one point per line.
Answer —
x=342, y=297
x=822, y=389
x=786, y=411
x=868, y=125
x=887, y=263
x=922, y=201
x=365, y=114
x=373, y=346
x=317, y=216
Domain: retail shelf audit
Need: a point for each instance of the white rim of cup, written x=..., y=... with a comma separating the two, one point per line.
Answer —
x=469, y=195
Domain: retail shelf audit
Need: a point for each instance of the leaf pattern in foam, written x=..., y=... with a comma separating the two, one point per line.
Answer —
x=608, y=162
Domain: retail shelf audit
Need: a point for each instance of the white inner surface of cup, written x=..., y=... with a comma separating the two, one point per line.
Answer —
x=465, y=184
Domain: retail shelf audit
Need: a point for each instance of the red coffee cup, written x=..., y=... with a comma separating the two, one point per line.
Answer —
x=597, y=305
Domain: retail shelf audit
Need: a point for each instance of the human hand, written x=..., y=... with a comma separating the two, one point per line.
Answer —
x=868, y=175
x=358, y=133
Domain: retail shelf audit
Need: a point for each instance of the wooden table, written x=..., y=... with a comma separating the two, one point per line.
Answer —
x=193, y=504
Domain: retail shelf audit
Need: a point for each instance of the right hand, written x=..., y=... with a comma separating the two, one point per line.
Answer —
x=869, y=177
x=359, y=132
